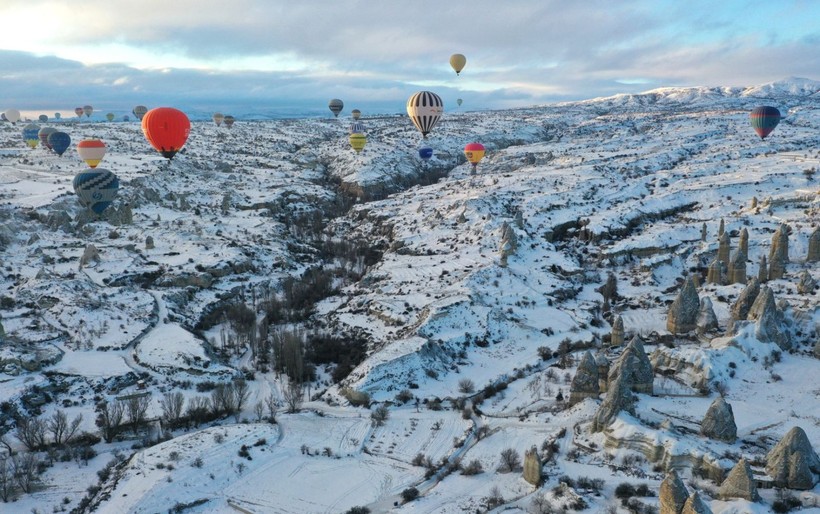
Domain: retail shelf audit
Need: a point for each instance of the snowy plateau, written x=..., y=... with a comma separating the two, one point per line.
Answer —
x=273, y=323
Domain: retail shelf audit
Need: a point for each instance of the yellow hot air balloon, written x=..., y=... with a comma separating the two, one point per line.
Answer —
x=357, y=141
x=218, y=117
x=458, y=61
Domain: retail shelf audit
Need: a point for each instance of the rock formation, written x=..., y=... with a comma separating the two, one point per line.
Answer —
x=509, y=243
x=769, y=320
x=707, y=320
x=814, y=246
x=714, y=274
x=762, y=270
x=617, y=337
x=737, y=269
x=739, y=484
x=703, y=232
x=779, y=253
x=807, y=284
x=683, y=314
x=695, y=505
x=743, y=304
x=633, y=365
x=90, y=254
x=793, y=463
x=721, y=228
x=618, y=398
x=603, y=371
x=724, y=248
x=743, y=243
x=532, y=467
x=585, y=382
x=673, y=494
x=719, y=422
x=149, y=243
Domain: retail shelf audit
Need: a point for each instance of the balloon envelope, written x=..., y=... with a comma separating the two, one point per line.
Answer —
x=229, y=121
x=459, y=101
x=43, y=118
x=425, y=108
x=336, y=106
x=91, y=151
x=764, y=119
x=58, y=115
x=43, y=135
x=59, y=142
x=425, y=153
x=357, y=127
x=139, y=111
x=12, y=115
x=218, y=117
x=31, y=134
x=356, y=113
x=166, y=129
x=474, y=153
x=458, y=61
x=96, y=189
x=78, y=111
x=87, y=109
x=357, y=141
x=110, y=116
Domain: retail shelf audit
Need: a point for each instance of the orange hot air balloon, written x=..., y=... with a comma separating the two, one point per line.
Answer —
x=91, y=151
x=166, y=129
x=474, y=152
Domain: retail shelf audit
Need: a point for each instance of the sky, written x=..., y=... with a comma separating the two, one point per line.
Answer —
x=286, y=58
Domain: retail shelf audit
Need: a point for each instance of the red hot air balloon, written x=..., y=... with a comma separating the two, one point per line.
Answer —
x=79, y=111
x=166, y=129
x=474, y=152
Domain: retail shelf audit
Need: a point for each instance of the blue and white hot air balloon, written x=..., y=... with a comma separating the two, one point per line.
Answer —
x=96, y=188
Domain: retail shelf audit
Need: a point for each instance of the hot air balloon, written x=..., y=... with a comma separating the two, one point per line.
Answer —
x=357, y=127
x=96, y=189
x=43, y=118
x=218, y=117
x=87, y=109
x=139, y=111
x=356, y=113
x=425, y=153
x=425, y=109
x=336, y=106
x=43, y=135
x=166, y=129
x=110, y=116
x=474, y=153
x=764, y=119
x=125, y=118
x=30, y=135
x=229, y=121
x=357, y=142
x=57, y=115
x=12, y=115
x=91, y=151
x=59, y=142
x=78, y=111
x=457, y=61
x=459, y=102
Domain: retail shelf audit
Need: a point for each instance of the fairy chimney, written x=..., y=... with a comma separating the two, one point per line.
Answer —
x=719, y=422
x=618, y=398
x=703, y=233
x=90, y=254
x=617, y=337
x=695, y=505
x=724, y=248
x=603, y=371
x=779, y=253
x=509, y=243
x=714, y=274
x=585, y=382
x=721, y=228
x=707, y=320
x=814, y=246
x=737, y=268
x=532, y=467
x=793, y=463
x=743, y=242
x=635, y=367
x=683, y=314
x=769, y=320
x=762, y=270
x=739, y=484
x=673, y=494
x=807, y=284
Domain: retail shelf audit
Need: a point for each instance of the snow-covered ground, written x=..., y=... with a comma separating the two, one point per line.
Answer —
x=621, y=184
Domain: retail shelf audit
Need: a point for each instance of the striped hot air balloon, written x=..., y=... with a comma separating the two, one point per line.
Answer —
x=336, y=106
x=356, y=114
x=764, y=119
x=96, y=188
x=425, y=109
x=357, y=127
x=139, y=111
x=357, y=142
x=229, y=121
x=30, y=135
x=43, y=135
x=43, y=118
x=91, y=151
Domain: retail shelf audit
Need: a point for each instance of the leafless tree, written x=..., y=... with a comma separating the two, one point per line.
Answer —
x=379, y=415
x=273, y=405
x=259, y=410
x=241, y=393
x=466, y=386
x=137, y=407
x=32, y=432
x=198, y=409
x=61, y=430
x=7, y=483
x=25, y=467
x=541, y=505
x=293, y=393
x=223, y=400
x=109, y=418
x=510, y=460
x=172, y=407
x=4, y=442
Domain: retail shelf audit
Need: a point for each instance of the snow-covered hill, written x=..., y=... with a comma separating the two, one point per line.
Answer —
x=408, y=285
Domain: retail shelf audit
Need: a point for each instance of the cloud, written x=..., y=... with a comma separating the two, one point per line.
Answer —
x=300, y=53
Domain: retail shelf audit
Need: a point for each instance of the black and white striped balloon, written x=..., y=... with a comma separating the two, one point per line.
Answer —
x=425, y=108
x=96, y=188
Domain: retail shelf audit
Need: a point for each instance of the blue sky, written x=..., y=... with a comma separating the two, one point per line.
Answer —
x=274, y=56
